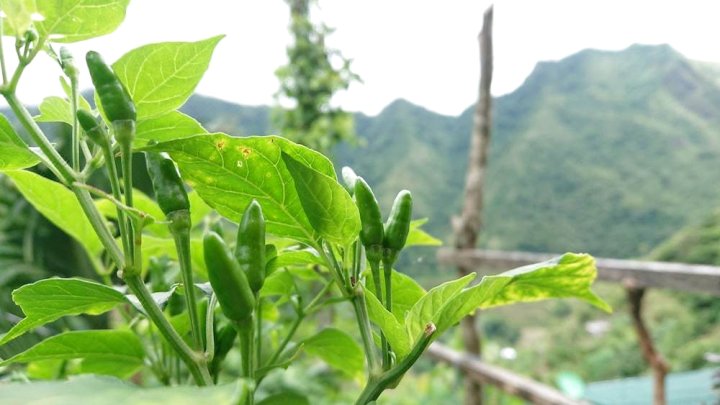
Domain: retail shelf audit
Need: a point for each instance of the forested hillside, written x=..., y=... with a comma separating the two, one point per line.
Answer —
x=605, y=152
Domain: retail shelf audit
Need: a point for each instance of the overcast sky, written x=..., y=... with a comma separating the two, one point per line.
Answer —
x=423, y=50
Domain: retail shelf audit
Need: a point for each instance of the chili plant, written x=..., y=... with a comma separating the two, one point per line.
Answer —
x=305, y=242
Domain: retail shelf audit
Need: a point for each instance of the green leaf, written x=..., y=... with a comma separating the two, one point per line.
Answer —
x=405, y=292
x=161, y=77
x=285, y=398
x=59, y=205
x=120, y=351
x=99, y=390
x=418, y=237
x=48, y=300
x=569, y=275
x=45, y=369
x=278, y=283
x=143, y=203
x=230, y=172
x=8, y=134
x=18, y=15
x=287, y=258
x=55, y=109
x=198, y=208
x=14, y=154
x=327, y=204
x=76, y=20
x=338, y=349
x=394, y=330
x=13, y=157
x=430, y=306
x=166, y=127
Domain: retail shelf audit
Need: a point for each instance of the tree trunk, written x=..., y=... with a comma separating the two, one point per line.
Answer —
x=467, y=226
x=652, y=356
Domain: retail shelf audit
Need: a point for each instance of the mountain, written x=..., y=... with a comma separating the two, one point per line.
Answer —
x=605, y=152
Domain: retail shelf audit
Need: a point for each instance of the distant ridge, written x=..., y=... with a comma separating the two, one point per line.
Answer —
x=601, y=152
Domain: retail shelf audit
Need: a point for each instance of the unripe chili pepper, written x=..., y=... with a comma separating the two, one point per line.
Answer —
x=271, y=252
x=168, y=186
x=224, y=342
x=371, y=233
x=250, y=248
x=92, y=128
x=227, y=280
x=115, y=99
x=349, y=178
x=397, y=226
x=67, y=63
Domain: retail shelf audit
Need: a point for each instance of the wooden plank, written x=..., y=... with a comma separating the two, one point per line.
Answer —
x=505, y=380
x=635, y=273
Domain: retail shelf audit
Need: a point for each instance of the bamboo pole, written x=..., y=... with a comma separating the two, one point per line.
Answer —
x=467, y=226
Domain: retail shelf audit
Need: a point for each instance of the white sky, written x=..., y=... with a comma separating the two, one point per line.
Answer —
x=423, y=50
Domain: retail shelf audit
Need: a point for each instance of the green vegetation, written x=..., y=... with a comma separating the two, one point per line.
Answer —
x=150, y=258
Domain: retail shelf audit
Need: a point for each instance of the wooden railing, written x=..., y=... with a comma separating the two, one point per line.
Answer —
x=506, y=380
x=639, y=274
x=634, y=275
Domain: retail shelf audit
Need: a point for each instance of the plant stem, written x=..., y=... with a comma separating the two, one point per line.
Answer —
x=124, y=133
x=258, y=330
x=194, y=362
x=2, y=54
x=247, y=370
x=358, y=302
x=311, y=306
x=98, y=224
x=75, y=126
x=210, y=329
x=375, y=269
x=357, y=260
x=116, y=192
x=335, y=266
x=376, y=387
x=301, y=316
x=52, y=158
x=23, y=62
x=387, y=271
x=181, y=235
x=286, y=340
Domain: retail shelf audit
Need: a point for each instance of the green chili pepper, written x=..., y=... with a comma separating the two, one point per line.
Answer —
x=349, y=178
x=250, y=248
x=115, y=99
x=167, y=184
x=228, y=281
x=371, y=234
x=271, y=253
x=397, y=226
x=224, y=342
x=93, y=129
x=67, y=63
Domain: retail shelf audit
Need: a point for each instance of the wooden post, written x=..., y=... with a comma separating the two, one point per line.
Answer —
x=467, y=226
x=652, y=356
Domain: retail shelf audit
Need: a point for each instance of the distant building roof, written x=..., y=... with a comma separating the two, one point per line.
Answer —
x=691, y=387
